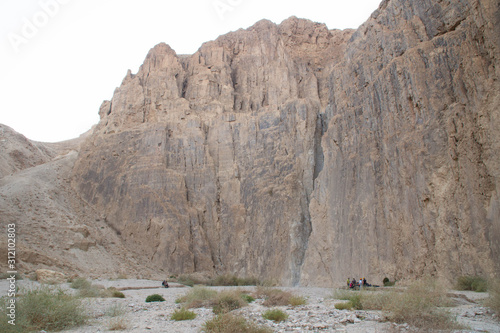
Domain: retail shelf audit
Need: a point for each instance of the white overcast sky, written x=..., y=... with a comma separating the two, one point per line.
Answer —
x=61, y=58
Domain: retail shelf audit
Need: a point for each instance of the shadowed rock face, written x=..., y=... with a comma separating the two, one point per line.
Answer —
x=305, y=155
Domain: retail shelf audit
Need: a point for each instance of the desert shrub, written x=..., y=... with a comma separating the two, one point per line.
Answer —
x=297, y=301
x=44, y=308
x=354, y=298
x=233, y=280
x=183, y=314
x=115, y=310
x=227, y=301
x=229, y=323
x=388, y=283
x=198, y=297
x=374, y=300
x=361, y=300
x=155, y=298
x=88, y=290
x=274, y=297
x=93, y=291
x=493, y=301
x=116, y=293
x=224, y=280
x=191, y=280
x=420, y=305
x=342, y=294
x=247, y=298
x=80, y=283
x=117, y=324
x=474, y=283
x=356, y=301
x=275, y=315
x=343, y=306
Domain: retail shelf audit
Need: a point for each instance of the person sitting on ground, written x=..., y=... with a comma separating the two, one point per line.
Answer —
x=165, y=283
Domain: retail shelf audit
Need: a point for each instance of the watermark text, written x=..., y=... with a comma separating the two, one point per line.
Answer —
x=32, y=26
x=222, y=7
x=12, y=273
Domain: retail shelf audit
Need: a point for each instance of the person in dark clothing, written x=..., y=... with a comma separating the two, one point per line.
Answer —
x=165, y=283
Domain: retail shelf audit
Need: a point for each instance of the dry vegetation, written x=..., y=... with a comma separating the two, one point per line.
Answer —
x=221, y=302
x=87, y=289
x=182, y=314
x=422, y=305
x=229, y=323
x=220, y=280
x=494, y=300
x=45, y=308
x=277, y=297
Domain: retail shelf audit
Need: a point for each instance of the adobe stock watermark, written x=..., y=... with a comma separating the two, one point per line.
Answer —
x=32, y=26
x=224, y=6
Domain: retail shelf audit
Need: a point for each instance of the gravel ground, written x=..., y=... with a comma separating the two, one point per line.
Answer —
x=318, y=315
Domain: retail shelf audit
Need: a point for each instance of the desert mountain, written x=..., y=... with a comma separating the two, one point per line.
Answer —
x=290, y=152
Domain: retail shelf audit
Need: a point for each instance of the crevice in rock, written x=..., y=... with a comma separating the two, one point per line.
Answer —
x=319, y=157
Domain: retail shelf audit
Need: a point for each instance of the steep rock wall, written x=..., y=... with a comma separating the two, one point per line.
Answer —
x=306, y=155
x=206, y=162
x=411, y=171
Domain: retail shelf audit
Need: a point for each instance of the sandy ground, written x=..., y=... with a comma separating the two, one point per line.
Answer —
x=318, y=315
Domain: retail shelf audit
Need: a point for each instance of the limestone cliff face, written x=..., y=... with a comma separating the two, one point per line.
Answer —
x=301, y=154
x=410, y=184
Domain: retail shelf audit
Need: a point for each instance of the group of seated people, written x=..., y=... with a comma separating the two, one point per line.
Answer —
x=353, y=283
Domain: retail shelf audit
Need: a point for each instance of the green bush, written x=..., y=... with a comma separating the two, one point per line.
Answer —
x=155, y=298
x=117, y=294
x=388, y=283
x=44, y=308
x=247, y=298
x=275, y=315
x=229, y=323
x=474, y=283
x=183, y=314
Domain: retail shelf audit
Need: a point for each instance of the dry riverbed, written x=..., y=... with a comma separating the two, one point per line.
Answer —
x=318, y=315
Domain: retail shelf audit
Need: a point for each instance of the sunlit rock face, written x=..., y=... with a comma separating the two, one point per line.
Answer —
x=305, y=155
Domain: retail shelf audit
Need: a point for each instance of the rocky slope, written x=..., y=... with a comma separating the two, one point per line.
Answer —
x=55, y=228
x=305, y=155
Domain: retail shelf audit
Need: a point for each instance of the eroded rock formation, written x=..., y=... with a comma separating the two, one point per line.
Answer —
x=306, y=155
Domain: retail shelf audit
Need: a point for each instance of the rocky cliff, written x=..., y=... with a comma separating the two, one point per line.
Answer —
x=305, y=155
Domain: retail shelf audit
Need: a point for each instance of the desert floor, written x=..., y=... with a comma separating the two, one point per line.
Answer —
x=318, y=315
